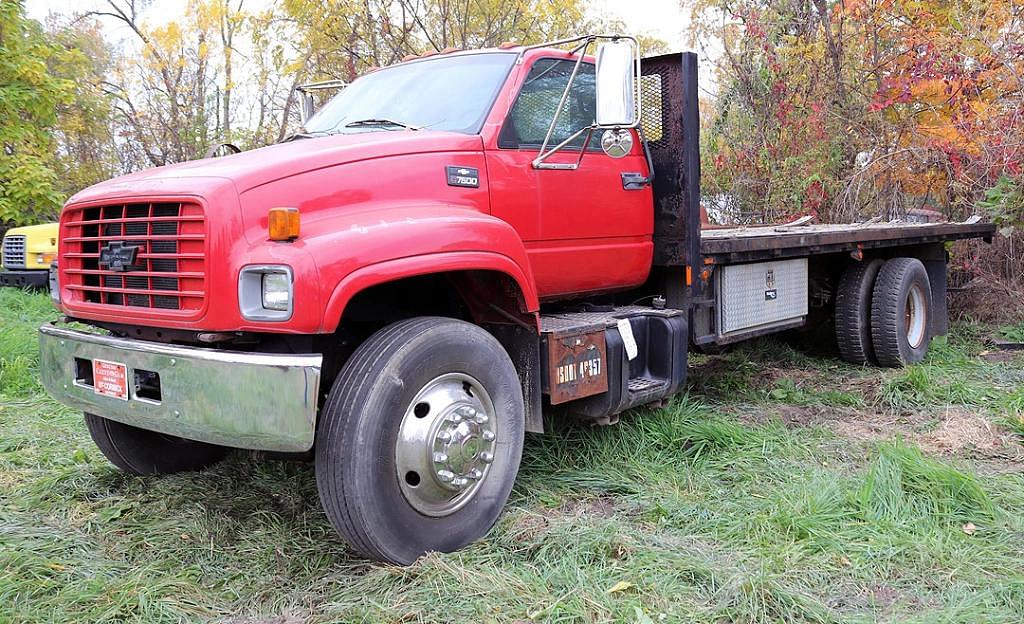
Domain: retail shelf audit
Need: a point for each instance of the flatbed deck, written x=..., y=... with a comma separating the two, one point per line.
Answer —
x=752, y=243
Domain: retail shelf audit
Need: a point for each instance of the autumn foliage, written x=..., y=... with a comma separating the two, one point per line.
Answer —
x=864, y=108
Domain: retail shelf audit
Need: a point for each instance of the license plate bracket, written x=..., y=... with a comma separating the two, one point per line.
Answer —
x=577, y=366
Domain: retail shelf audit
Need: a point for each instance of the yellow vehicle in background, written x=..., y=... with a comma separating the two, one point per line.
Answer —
x=27, y=253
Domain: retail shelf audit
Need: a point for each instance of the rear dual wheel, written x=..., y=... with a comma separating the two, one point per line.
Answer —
x=420, y=439
x=853, y=312
x=901, y=309
x=883, y=312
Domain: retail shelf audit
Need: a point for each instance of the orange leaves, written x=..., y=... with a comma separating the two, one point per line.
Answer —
x=928, y=91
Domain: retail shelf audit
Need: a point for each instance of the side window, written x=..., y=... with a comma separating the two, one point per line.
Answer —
x=531, y=115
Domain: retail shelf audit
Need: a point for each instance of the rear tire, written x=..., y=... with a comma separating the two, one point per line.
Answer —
x=853, y=312
x=901, y=309
x=143, y=452
x=420, y=439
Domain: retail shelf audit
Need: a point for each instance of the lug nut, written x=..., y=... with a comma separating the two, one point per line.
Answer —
x=486, y=457
x=455, y=417
x=446, y=476
x=440, y=458
x=443, y=436
x=475, y=474
x=487, y=435
x=481, y=418
x=460, y=481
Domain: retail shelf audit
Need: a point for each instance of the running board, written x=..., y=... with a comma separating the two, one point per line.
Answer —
x=600, y=363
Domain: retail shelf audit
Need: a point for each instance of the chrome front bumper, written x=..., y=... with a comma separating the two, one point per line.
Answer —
x=243, y=400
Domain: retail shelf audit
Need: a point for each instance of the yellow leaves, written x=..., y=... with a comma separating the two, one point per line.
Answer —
x=620, y=586
x=166, y=37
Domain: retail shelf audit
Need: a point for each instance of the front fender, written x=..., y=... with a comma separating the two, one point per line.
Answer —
x=373, y=247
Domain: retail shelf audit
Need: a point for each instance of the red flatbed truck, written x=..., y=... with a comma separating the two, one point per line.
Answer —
x=450, y=246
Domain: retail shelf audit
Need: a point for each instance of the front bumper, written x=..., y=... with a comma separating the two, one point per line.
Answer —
x=242, y=400
x=28, y=278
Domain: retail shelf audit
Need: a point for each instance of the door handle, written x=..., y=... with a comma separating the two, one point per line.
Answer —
x=634, y=181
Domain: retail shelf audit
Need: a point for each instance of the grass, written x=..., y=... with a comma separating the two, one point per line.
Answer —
x=760, y=496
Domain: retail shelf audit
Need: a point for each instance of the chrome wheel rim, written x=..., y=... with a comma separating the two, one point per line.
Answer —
x=915, y=320
x=445, y=444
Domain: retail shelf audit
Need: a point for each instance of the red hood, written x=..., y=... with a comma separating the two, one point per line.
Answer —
x=259, y=166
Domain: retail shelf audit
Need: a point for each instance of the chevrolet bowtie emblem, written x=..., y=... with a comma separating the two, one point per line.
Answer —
x=118, y=256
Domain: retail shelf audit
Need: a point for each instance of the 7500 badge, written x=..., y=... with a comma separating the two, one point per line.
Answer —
x=463, y=176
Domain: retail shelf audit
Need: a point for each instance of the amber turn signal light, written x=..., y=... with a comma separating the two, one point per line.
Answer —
x=283, y=224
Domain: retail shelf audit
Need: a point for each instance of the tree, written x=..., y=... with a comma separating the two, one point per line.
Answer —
x=863, y=107
x=86, y=151
x=166, y=97
x=29, y=98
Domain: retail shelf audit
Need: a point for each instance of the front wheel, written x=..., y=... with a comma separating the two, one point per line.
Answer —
x=141, y=452
x=420, y=439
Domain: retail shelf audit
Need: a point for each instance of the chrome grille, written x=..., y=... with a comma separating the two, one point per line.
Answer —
x=14, y=251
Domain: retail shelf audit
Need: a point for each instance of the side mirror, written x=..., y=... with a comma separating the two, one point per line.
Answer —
x=615, y=83
x=308, y=107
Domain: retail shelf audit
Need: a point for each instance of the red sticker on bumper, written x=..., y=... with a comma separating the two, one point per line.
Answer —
x=110, y=379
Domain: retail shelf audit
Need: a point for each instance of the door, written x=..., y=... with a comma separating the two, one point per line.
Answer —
x=584, y=231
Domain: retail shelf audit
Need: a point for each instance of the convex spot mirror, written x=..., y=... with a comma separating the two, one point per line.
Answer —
x=617, y=143
x=616, y=83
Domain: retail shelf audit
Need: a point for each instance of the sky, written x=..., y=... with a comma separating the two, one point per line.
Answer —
x=664, y=19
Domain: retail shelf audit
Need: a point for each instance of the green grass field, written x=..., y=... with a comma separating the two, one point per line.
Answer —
x=782, y=488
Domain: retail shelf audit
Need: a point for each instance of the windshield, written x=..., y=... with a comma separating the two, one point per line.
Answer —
x=451, y=93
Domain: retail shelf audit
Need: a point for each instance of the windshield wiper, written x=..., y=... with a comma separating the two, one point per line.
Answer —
x=306, y=135
x=379, y=122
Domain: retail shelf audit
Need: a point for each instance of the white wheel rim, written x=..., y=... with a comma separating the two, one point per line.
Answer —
x=445, y=444
x=915, y=316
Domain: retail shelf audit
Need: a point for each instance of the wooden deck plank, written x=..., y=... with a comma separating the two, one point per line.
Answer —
x=782, y=241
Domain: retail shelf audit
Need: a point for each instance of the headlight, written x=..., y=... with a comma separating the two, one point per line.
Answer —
x=277, y=291
x=265, y=292
x=45, y=258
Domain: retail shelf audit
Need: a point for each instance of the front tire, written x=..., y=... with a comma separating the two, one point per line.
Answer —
x=420, y=439
x=143, y=452
x=901, y=310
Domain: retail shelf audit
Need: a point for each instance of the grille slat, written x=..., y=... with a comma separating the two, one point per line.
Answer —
x=13, y=254
x=167, y=269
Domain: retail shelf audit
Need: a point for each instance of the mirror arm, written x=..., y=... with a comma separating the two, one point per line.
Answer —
x=538, y=162
x=647, y=155
x=585, y=41
x=565, y=95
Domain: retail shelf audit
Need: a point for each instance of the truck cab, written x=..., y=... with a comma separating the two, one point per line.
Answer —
x=403, y=163
x=449, y=249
